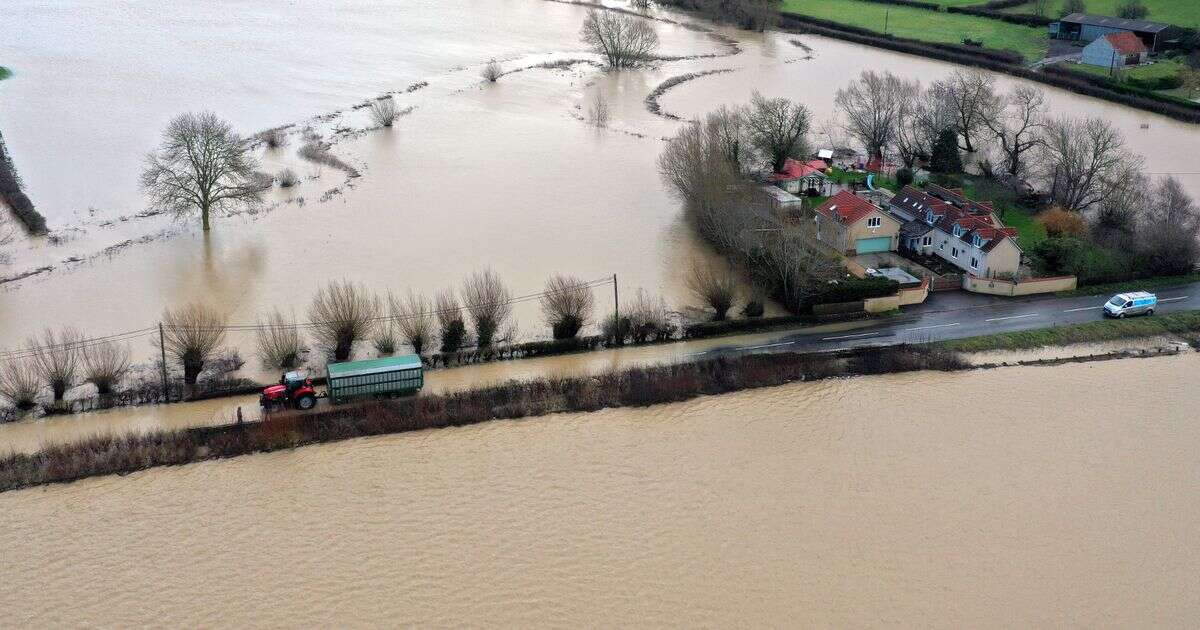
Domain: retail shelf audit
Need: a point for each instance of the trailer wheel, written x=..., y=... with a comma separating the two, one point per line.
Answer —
x=306, y=402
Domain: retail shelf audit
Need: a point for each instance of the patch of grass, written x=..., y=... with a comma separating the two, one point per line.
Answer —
x=1030, y=232
x=924, y=25
x=1161, y=69
x=1177, y=12
x=1144, y=284
x=1105, y=330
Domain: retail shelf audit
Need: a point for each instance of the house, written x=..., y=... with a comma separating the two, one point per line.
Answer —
x=1088, y=28
x=801, y=178
x=852, y=225
x=945, y=223
x=1115, y=50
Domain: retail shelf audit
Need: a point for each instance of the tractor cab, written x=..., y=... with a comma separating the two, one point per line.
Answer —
x=295, y=389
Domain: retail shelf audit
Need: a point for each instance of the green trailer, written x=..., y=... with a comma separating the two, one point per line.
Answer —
x=375, y=378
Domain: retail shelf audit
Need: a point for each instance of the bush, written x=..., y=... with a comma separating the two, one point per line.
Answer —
x=385, y=338
x=453, y=330
x=105, y=365
x=1091, y=263
x=274, y=138
x=1132, y=10
x=383, y=111
x=904, y=177
x=287, y=178
x=20, y=383
x=192, y=334
x=567, y=305
x=492, y=71
x=648, y=318
x=1062, y=223
x=716, y=288
x=855, y=290
x=487, y=300
x=414, y=318
x=753, y=308
x=342, y=313
x=279, y=343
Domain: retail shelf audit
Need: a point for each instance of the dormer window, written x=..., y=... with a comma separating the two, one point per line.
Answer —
x=957, y=230
x=977, y=241
x=929, y=217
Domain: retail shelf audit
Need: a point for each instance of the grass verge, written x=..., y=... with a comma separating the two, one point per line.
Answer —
x=517, y=399
x=1105, y=330
x=1106, y=290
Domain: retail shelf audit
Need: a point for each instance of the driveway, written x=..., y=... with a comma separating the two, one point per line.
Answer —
x=881, y=260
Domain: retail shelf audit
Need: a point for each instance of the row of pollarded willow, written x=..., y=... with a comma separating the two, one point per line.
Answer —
x=58, y=361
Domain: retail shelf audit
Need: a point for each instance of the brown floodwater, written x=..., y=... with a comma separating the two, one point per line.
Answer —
x=1015, y=497
x=508, y=175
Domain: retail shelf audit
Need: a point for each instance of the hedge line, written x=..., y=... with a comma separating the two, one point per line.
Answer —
x=995, y=60
x=1024, y=19
x=928, y=6
x=10, y=191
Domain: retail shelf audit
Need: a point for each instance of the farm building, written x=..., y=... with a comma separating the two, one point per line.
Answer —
x=1088, y=28
x=1115, y=50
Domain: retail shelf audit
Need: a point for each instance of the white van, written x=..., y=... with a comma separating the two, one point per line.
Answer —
x=1125, y=304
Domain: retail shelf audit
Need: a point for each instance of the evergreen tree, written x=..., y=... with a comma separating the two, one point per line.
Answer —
x=946, y=159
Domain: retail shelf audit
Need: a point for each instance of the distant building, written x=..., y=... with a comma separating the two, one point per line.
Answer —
x=1115, y=50
x=852, y=225
x=802, y=178
x=1087, y=28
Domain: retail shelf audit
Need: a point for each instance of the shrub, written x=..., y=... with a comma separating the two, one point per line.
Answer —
x=287, y=178
x=383, y=111
x=1132, y=10
x=754, y=308
x=452, y=329
x=648, y=318
x=342, y=313
x=567, y=305
x=492, y=71
x=385, y=339
x=20, y=383
x=615, y=331
x=274, y=138
x=904, y=177
x=1072, y=6
x=1060, y=223
x=487, y=300
x=414, y=318
x=192, y=334
x=105, y=365
x=279, y=343
x=716, y=288
x=854, y=290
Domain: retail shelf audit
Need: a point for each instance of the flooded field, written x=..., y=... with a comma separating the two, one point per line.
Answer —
x=963, y=505
x=509, y=175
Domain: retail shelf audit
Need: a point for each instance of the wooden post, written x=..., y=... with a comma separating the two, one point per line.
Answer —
x=162, y=350
x=616, y=305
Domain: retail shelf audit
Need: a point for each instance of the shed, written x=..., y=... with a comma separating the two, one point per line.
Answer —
x=779, y=199
x=1085, y=27
x=1115, y=50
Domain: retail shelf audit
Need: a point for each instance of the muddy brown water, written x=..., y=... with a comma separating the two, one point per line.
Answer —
x=1017, y=497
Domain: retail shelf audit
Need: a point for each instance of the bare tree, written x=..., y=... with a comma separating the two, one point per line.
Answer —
x=1168, y=229
x=279, y=343
x=715, y=287
x=873, y=105
x=451, y=329
x=648, y=318
x=343, y=312
x=385, y=338
x=1115, y=220
x=1085, y=157
x=56, y=358
x=971, y=95
x=192, y=334
x=567, y=305
x=598, y=110
x=726, y=128
x=625, y=41
x=792, y=270
x=776, y=129
x=488, y=302
x=287, y=178
x=492, y=71
x=1017, y=123
x=932, y=113
x=105, y=365
x=414, y=318
x=201, y=165
x=20, y=383
x=383, y=111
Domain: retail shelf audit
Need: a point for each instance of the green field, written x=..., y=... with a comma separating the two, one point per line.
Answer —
x=1164, y=68
x=920, y=24
x=1177, y=12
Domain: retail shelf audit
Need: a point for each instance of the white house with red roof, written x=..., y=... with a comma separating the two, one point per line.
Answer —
x=802, y=177
x=943, y=222
x=1115, y=50
x=853, y=225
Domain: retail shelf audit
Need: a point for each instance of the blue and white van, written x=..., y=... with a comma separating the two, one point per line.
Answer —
x=1126, y=304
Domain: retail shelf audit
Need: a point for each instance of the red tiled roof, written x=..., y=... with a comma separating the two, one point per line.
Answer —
x=793, y=169
x=1126, y=43
x=950, y=207
x=846, y=208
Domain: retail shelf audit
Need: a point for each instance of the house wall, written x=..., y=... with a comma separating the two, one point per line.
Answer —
x=888, y=226
x=903, y=297
x=1005, y=257
x=1008, y=288
x=1100, y=53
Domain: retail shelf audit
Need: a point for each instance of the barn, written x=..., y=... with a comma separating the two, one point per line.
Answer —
x=1088, y=28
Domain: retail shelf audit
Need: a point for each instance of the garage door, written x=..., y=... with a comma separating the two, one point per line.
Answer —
x=871, y=245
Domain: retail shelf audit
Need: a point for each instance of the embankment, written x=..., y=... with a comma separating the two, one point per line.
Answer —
x=517, y=399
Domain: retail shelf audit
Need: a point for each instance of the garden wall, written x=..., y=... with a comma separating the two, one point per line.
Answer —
x=1008, y=288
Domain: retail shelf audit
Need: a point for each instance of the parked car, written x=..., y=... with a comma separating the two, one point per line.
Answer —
x=1127, y=304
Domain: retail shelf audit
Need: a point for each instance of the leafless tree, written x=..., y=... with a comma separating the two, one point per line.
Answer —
x=20, y=383
x=488, y=302
x=414, y=319
x=598, y=110
x=383, y=111
x=273, y=138
x=1115, y=220
x=105, y=365
x=1017, y=122
x=792, y=270
x=451, y=329
x=567, y=305
x=624, y=40
x=1168, y=229
x=202, y=165
x=776, y=129
x=971, y=95
x=343, y=312
x=385, y=338
x=279, y=342
x=287, y=178
x=715, y=286
x=872, y=107
x=192, y=334
x=648, y=318
x=56, y=358
x=1085, y=158
x=726, y=127
x=932, y=113
x=492, y=71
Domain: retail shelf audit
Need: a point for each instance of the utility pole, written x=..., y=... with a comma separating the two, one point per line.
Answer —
x=887, y=15
x=162, y=350
x=616, y=305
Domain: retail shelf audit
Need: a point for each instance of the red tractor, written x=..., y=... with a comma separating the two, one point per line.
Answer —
x=294, y=390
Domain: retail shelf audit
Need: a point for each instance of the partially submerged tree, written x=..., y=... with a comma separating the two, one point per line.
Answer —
x=343, y=312
x=279, y=342
x=1085, y=159
x=598, y=109
x=647, y=318
x=567, y=305
x=414, y=319
x=55, y=356
x=105, y=365
x=625, y=41
x=192, y=334
x=715, y=286
x=201, y=166
x=776, y=128
x=487, y=300
x=385, y=338
x=971, y=95
x=872, y=107
x=1017, y=123
x=492, y=71
x=383, y=111
x=452, y=330
x=20, y=383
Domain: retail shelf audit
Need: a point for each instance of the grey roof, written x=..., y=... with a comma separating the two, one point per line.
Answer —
x=1115, y=22
x=914, y=228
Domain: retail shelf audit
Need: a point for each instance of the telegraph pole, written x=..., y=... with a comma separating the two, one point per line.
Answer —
x=162, y=350
x=616, y=304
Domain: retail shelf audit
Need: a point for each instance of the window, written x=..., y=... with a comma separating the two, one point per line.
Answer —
x=974, y=263
x=977, y=241
x=929, y=217
x=928, y=241
x=954, y=252
x=957, y=230
x=874, y=222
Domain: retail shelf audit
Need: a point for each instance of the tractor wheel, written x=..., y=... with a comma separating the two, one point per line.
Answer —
x=306, y=402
